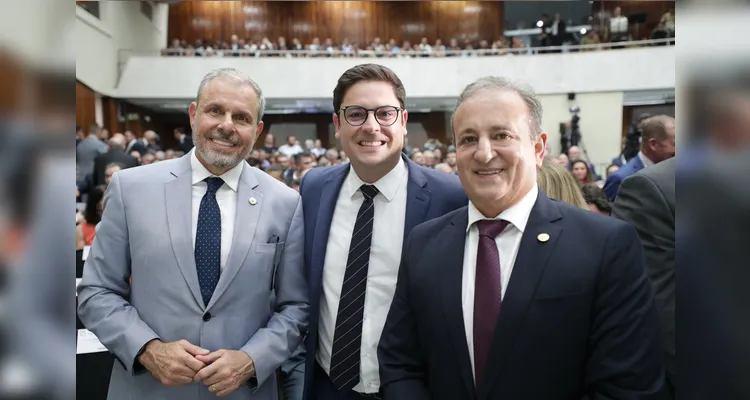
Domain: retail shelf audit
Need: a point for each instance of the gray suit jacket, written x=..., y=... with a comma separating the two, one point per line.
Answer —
x=647, y=201
x=146, y=233
x=86, y=151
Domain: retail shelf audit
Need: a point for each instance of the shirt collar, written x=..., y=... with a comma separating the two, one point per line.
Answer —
x=517, y=214
x=231, y=177
x=388, y=185
x=645, y=160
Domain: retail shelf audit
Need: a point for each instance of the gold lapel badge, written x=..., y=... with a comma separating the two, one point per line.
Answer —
x=543, y=237
x=252, y=201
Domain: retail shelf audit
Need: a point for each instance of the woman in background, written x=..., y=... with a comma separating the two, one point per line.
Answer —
x=581, y=172
x=92, y=214
x=557, y=183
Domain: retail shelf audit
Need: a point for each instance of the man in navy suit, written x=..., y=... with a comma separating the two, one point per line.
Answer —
x=518, y=296
x=358, y=215
x=657, y=145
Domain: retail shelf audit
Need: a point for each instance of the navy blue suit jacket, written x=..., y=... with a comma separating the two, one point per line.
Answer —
x=578, y=319
x=429, y=194
x=612, y=185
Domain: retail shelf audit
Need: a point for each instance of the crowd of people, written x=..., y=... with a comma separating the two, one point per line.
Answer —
x=611, y=28
x=384, y=273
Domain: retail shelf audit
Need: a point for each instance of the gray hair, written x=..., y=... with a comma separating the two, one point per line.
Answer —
x=498, y=83
x=235, y=74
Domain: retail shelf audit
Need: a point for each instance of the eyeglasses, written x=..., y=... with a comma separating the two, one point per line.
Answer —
x=384, y=115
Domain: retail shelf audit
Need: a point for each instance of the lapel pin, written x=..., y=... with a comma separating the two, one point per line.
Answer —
x=252, y=201
x=543, y=237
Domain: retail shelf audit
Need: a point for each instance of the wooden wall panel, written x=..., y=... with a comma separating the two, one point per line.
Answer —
x=85, y=109
x=359, y=21
x=111, y=118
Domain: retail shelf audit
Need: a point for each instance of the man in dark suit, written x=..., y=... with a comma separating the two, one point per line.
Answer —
x=185, y=141
x=135, y=144
x=657, y=145
x=647, y=201
x=116, y=154
x=357, y=216
x=557, y=31
x=518, y=296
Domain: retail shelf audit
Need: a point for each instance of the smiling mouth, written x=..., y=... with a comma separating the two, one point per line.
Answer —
x=489, y=172
x=223, y=143
x=376, y=143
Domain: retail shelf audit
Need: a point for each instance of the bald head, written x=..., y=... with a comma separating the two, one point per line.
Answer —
x=574, y=153
x=117, y=142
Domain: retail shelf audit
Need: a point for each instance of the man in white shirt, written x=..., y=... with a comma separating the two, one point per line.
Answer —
x=618, y=27
x=518, y=296
x=358, y=216
x=291, y=148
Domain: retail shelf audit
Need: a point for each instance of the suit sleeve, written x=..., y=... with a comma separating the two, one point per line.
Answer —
x=625, y=351
x=402, y=369
x=641, y=203
x=102, y=295
x=272, y=345
x=611, y=186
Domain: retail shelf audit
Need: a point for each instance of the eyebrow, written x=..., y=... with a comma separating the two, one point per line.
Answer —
x=234, y=112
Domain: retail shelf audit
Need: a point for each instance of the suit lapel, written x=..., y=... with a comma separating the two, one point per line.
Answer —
x=178, y=195
x=417, y=198
x=329, y=193
x=529, y=266
x=246, y=222
x=451, y=257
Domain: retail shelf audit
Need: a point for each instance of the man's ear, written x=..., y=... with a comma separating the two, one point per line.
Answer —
x=191, y=112
x=258, y=131
x=337, y=125
x=540, y=148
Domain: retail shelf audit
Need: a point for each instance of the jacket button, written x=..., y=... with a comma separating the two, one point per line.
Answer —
x=207, y=317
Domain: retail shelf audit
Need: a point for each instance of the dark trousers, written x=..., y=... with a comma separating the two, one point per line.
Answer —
x=323, y=389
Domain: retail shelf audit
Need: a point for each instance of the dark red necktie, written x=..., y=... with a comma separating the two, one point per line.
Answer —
x=487, y=293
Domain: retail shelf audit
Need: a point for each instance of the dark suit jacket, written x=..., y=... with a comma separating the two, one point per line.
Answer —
x=647, y=201
x=112, y=156
x=612, y=184
x=138, y=146
x=578, y=319
x=430, y=194
x=186, y=144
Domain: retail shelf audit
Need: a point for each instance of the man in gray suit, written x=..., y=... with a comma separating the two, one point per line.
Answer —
x=647, y=201
x=206, y=240
x=86, y=152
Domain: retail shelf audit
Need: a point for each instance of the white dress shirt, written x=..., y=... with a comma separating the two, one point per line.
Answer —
x=507, y=242
x=645, y=160
x=226, y=196
x=618, y=25
x=382, y=273
x=290, y=151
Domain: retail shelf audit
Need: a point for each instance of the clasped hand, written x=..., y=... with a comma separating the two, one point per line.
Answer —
x=179, y=363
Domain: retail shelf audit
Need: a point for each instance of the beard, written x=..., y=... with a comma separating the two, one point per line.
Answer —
x=216, y=158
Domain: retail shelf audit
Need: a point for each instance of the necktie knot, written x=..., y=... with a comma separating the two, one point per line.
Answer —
x=491, y=227
x=213, y=184
x=369, y=191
